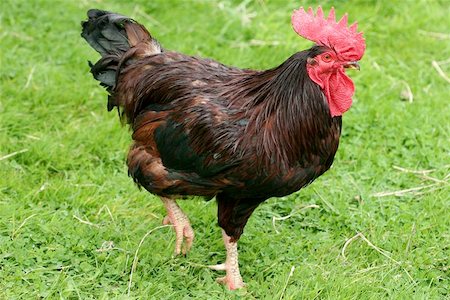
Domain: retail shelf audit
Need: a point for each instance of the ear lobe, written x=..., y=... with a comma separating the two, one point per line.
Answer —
x=311, y=61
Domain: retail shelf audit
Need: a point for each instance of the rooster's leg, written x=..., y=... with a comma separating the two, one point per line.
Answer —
x=180, y=222
x=232, y=279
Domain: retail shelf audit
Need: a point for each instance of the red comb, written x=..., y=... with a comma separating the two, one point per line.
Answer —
x=346, y=41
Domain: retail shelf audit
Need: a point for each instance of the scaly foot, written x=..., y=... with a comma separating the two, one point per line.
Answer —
x=232, y=279
x=180, y=222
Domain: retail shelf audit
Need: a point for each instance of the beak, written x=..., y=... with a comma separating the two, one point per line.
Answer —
x=352, y=65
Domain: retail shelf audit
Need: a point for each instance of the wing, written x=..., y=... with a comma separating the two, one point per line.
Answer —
x=184, y=133
x=174, y=155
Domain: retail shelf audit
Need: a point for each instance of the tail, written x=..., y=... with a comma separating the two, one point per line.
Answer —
x=117, y=38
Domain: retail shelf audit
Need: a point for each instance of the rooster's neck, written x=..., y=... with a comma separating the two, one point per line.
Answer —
x=289, y=115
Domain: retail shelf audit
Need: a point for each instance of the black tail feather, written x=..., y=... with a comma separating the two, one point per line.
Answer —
x=105, y=32
x=112, y=35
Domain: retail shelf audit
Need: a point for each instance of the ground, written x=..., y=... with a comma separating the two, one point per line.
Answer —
x=72, y=224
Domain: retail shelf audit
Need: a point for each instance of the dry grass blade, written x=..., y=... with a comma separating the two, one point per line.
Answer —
x=328, y=204
x=444, y=62
x=407, y=94
x=109, y=246
x=436, y=35
x=14, y=233
x=29, y=78
x=86, y=222
x=274, y=219
x=13, y=154
x=441, y=73
x=30, y=136
x=350, y=240
x=105, y=207
x=106, y=246
x=370, y=269
x=287, y=281
x=412, y=171
x=378, y=249
x=403, y=192
x=434, y=179
x=421, y=173
x=135, y=259
x=420, y=190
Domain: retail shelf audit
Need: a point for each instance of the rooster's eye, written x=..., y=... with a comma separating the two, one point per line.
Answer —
x=326, y=58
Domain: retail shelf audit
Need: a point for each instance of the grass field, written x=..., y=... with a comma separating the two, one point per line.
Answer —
x=376, y=226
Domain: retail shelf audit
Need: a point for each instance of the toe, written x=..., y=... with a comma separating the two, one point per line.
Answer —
x=222, y=280
x=219, y=267
x=166, y=220
x=178, y=241
x=188, y=233
x=231, y=283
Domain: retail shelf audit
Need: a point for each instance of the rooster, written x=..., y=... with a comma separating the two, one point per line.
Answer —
x=205, y=129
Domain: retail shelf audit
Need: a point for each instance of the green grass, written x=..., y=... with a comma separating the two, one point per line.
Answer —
x=69, y=163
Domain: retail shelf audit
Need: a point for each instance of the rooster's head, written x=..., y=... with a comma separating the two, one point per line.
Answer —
x=341, y=47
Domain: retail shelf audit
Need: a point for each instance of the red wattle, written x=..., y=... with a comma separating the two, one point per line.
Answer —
x=337, y=87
